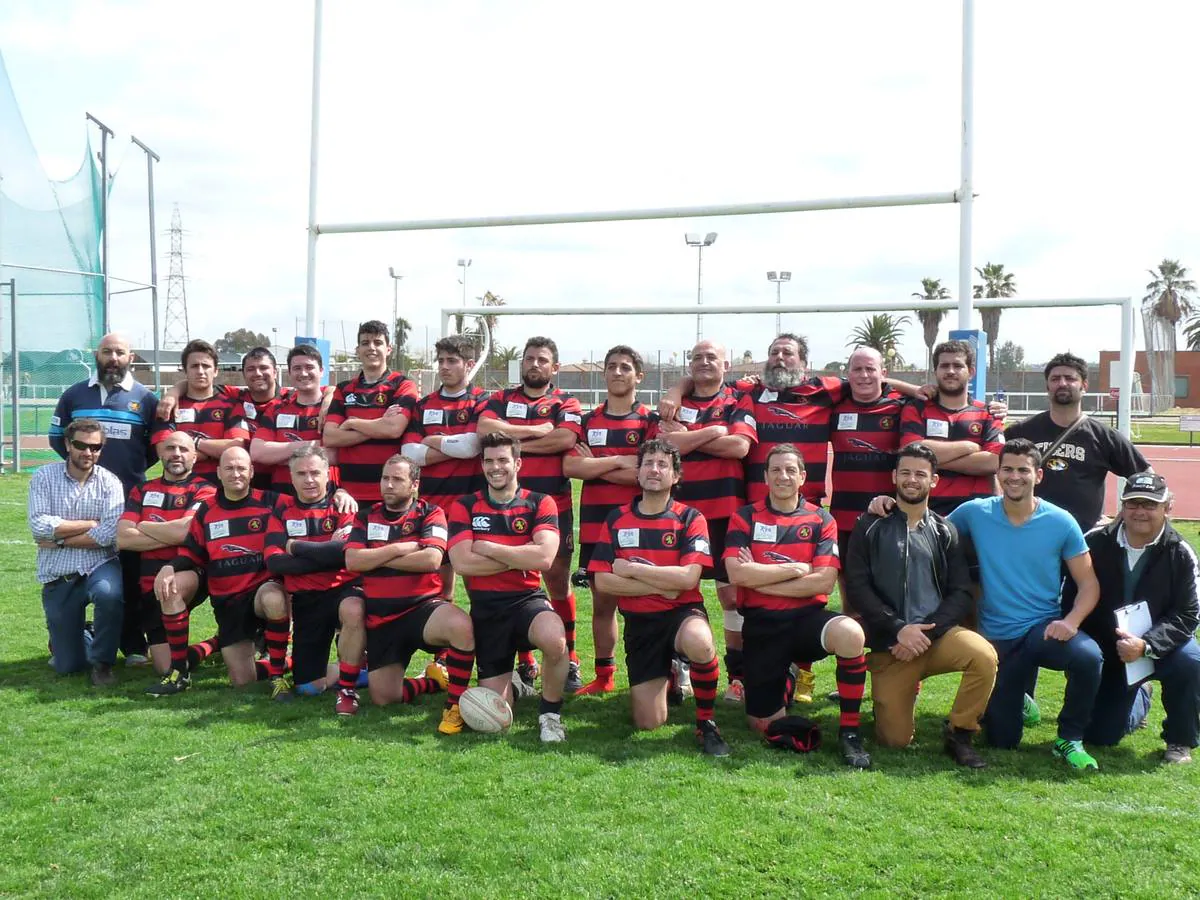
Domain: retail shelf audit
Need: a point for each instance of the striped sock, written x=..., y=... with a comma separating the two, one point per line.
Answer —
x=415, y=687
x=704, y=686
x=458, y=668
x=566, y=612
x=198, y=653
x=851, y=680
x=347, y=675
x=176, y=626
x=277, y=633
x=525, y=658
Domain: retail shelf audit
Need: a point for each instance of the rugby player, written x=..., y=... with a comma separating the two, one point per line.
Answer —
x=606, y=460
x=226, y=539
x=397, y=547
x=291, y=420
x=155, y=523
x=368, y=415
x=501, y=539
x=546, y=421
x=441, y=437
x=782, y=552
x=650, y=556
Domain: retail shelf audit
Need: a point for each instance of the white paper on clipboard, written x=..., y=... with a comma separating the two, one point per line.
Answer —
x=1135, y=619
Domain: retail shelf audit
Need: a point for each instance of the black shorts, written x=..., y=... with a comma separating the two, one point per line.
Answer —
x=585, y=555
x=716, y=544
x=772, y=640
x=501, y=633
x=395, y=641
x=151, y=612
x=236, y=620
x=650, y=641
x=566, y=534
x=314, y=623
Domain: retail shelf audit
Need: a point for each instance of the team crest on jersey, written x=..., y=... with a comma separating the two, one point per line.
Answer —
x=975, y=428
x=887, y=423
x=380, y=399
x=520, y=525
x=179, y=502
x=718, y=412
x=543, y=411
x=135, y=406
x=254, y=524
x=327, y=525
x=669, y=539
x=631, y=437
x=461, y=416
x=311, y=422
x=407, y=528
x=218, y=415
x=1055, y=464
x=804, y=532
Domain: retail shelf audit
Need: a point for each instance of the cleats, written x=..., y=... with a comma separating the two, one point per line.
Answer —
x=708, y=736
x=174, y=682
x=521, y=689
x=1031, y=714
x=452, y=721
x=436, y=673
x=683, y=678
x=346, y=704
x=281, y=689
x=957, y=744
x=552, y=728
x=1177, y=754
x=853, y=752
x=805, y=682
x=736, y=692
x=574, y=684
x=1074, y=755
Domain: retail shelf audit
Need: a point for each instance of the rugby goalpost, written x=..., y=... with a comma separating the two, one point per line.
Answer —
x=963, y=196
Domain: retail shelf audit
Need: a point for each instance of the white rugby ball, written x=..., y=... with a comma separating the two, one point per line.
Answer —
x=484, y=710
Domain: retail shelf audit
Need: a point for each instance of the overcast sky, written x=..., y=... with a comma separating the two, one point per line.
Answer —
x=1085, y=164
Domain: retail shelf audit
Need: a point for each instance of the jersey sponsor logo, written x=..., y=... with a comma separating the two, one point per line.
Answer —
x=775, y=556
x=787, y=413
x=292, y=437
x=481, y=523
x=351, y=399
x=117, y=431
x=804, y=532
x=254, y=524
x=640, y=560
x=237, y=548
x=155, y=517
x=437, y=531
x=55, y=420
x=975, y=428
x=669, y=539
x=520, y=525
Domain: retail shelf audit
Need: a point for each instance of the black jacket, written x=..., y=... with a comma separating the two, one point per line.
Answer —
x=1168, y=585
x=876, y=582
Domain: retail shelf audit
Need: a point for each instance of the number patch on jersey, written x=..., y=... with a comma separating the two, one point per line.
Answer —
x=847, y=422
x=185, y=415
x=598, y=437
x=433, y=417
x=154, y=498
x=765, y=532
x=628, y=537
x=517, y=410
x=937, y=428
x=285, y=420
x=688, y=415
x=297, y=528
x=378, y=531
x=218, y=530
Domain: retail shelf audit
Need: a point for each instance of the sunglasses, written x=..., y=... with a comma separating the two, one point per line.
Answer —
x=1141, y=503
x=83, y=445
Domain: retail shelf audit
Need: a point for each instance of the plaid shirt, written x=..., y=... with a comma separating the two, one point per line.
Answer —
x=55, y=497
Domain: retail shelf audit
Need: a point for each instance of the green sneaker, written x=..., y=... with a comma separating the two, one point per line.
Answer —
x=1030, y=713
x=1077, y=758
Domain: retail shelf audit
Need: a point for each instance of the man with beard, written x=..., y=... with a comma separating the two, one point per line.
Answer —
x=441, y=437
x=546, y=420
x=1075, y=472
x=966, y=437
x=157, y=517
x=908, y=578
x=650, y=556
x=292, y=420
x=606, y=460
x=125, y=408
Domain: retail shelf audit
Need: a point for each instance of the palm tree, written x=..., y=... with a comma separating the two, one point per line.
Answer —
x=996, y=284
x=488, y=299
x=402, y=330
x=1168, y=292
x=883, y=332
x=931, y=319
x=1192, y=333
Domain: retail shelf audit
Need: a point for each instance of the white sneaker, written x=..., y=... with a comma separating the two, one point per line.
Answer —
x=736, y=692
x=136, y=660
x=521, y=688
x=552, y=728
x=683, y=677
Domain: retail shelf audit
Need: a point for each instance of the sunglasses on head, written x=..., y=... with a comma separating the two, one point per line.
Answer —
x=84, y=445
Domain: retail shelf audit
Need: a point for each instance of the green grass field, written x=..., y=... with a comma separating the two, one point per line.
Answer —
x=216, y=793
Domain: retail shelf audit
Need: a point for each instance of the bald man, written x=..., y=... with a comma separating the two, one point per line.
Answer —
x=125, y=410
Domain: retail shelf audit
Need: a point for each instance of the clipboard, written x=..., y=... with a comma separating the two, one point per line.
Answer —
x=1135, y=619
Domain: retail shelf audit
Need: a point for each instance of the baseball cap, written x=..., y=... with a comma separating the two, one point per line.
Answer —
x=1145, y=486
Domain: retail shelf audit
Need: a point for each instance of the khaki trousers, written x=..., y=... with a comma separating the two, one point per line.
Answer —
x=894, y=684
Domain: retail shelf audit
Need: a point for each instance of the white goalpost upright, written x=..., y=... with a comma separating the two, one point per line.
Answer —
x=963, y=196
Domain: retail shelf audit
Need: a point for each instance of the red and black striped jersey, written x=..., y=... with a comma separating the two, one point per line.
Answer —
x=865, y=439
x=476, y=518
x=251, y=410
x=713, y=484
x=214, y=419
x=160, y=500
x=437, y=414
x=227, y=540
x=391, y=593
x=807, y=535
x=287, y=420
x=606, y=434
x=318, y=522
x=678, y=536
x=361, y=466
x=800, y=415
x=540, y=472
x=927, y=420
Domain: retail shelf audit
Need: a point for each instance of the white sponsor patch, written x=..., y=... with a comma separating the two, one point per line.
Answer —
x=196, y=506
x=702, y=546
x=847, y=422
x=218, y=529
x=297, y=528
x=437, y=531
x=185, y=415
x=687, y=414
x=433, y=417
x=628, y=537
x=517, y=410
x=751, y=421
x=574, y=418
x=351, y=399
x=154, y=498
x=768, y=396
x=378, y=531
x=765, y=532
x=249, y=410
x=598, y=437
x=937, y=428
x=117, y=431
x=55, y=420
x=481, y=523
x=285, y=420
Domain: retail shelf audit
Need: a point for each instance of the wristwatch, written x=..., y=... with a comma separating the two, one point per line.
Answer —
x=1149, y=651
x=60, y=542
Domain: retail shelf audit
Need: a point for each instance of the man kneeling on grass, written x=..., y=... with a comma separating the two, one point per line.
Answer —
x=650, y=556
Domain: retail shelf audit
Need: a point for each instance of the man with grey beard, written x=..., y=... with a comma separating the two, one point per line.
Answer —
x=125, y=410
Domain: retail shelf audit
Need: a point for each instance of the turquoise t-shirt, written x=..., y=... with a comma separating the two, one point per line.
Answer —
x=1020, y=566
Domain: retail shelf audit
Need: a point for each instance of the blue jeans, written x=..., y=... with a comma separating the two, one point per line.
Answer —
x=1080, y=658
x=65, y=604
x=1121, y=708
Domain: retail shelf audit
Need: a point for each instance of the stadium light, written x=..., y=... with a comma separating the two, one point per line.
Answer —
x=699, y=241
x=778, y=278
x=395, y=317
x=464, y=264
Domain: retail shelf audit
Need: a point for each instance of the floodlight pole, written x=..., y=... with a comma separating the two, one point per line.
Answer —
x=105, y=134
x=395, y=317
x=310, y=292
x=778, y=278
x=966, y=196
x=151, y=159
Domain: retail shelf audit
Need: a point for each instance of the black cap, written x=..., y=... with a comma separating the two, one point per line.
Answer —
x=1145, y=486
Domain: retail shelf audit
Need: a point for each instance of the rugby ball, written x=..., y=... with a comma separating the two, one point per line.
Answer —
x=484, y=710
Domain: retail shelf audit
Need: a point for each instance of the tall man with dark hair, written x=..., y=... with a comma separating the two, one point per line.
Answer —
x=291, y=420
x=125, y=410
x=368, y=415
x=908, y=580
x=606, y=460
x=441, y=438
x=501, y=539
x=546, y=420
x=649, y=557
